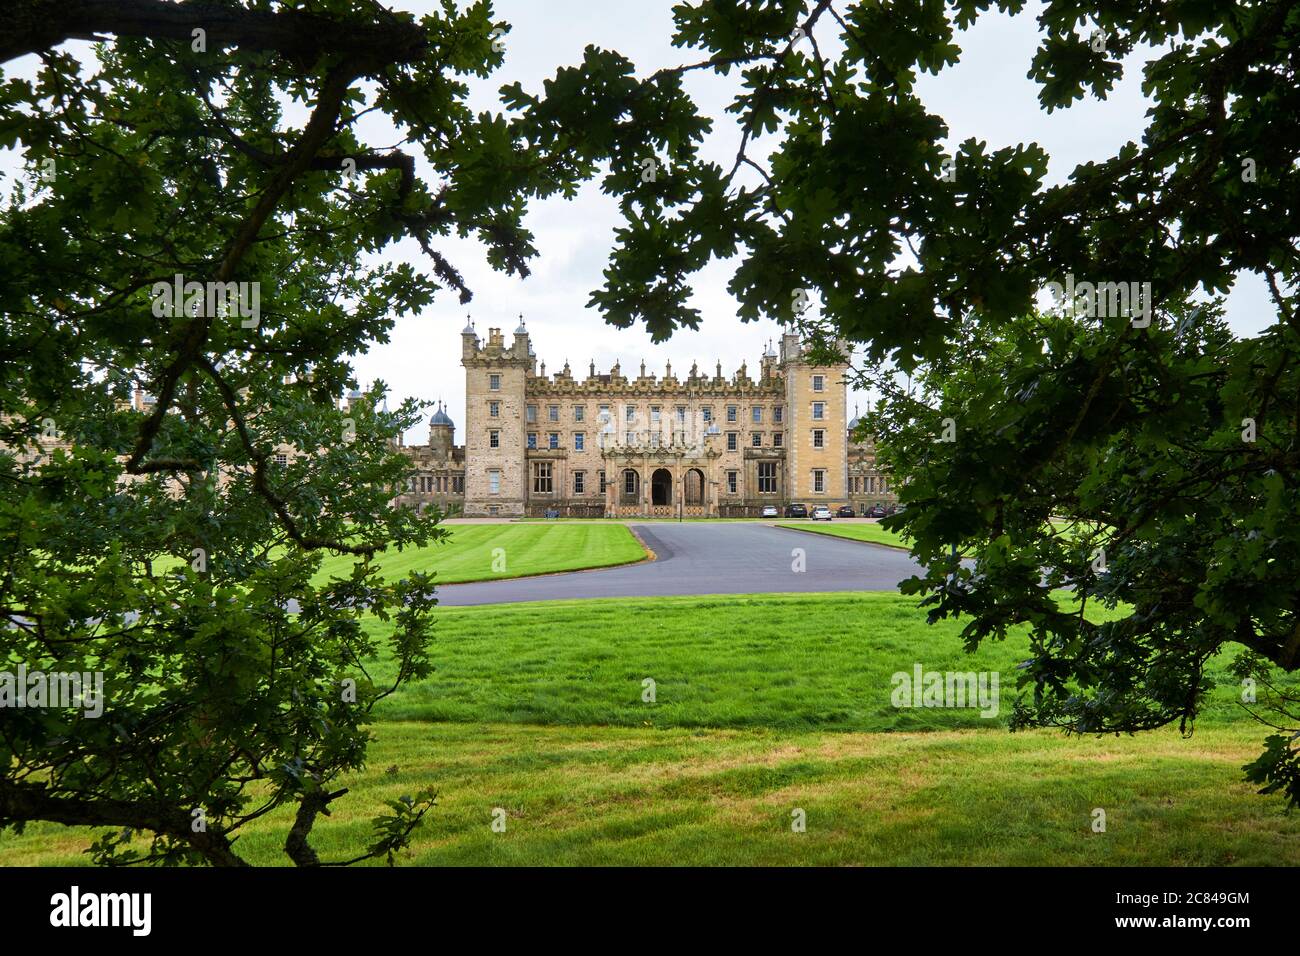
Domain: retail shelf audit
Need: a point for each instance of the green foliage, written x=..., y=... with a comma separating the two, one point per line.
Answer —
x=164, y=545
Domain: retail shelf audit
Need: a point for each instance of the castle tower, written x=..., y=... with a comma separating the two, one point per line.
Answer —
x=817, y=411
x=495, y=457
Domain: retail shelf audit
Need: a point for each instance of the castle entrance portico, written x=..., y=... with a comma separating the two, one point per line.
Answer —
x=661, y=483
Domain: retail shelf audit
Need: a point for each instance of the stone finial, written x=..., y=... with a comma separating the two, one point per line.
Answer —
x=719, y=375
x=567, y=373
x=695, y=369
x=543, y=370
x=592, y=369
x=643, y=368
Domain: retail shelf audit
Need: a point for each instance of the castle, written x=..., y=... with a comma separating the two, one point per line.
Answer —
x=613, y=446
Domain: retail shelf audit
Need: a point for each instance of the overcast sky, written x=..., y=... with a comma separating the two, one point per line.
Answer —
x=987, y=96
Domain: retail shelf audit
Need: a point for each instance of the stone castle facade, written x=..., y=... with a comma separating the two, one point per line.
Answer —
x=612, y=445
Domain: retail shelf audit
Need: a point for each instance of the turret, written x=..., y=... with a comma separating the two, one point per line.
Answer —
x=442, y=432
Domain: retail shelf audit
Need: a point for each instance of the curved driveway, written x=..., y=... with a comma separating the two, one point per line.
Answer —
x=705, y=558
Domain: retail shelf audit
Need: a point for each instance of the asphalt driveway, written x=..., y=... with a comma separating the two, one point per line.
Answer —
x=705, y=558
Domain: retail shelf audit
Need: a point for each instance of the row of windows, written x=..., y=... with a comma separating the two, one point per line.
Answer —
x=767, y=482
x=431, y=484
x=630, y=438
x=756, y=413
x=544, y=480
x=863, y=485
x=818, y=412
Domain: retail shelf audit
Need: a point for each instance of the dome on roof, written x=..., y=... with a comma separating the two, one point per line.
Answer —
x=521, y=330
x=440, y=417
x=853, y=425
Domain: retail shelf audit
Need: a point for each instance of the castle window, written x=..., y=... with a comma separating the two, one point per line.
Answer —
x=629, y=438
x=654, y=414
x=733, y=482
x=579, y=412
x=819, y=438
x=541, y=478
x=707, y=413
x=494, y=382
x=629, y=413
x=818, y=410
x=681, y=414
x=458, y=485
x=579, y=441
x=282, y=459
x=494, y=481
x=494, y=439
x=756, y=439
x=553, y=413
x=778, y=439
x=494, y=409
x=757, y=414
x=604, y=413
x=603, y=484
x=579, y=482
x=531, y=413
x=819, y=480
x=767, y=477
x=731, y=413
x=819, y=383
x=731, y=441
x=631, y=483
x=553, y=440
x=532, y=439
x=778, y=414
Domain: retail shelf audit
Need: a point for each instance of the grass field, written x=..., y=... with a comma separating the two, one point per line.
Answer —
x=467, y=554
x=640, y=796
x=764, y=704
x=857, y=531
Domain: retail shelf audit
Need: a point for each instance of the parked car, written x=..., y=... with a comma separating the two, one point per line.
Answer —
x=796, y=511
x=875, y=511
x=770, y=511
x=821, y=513
x=846, y=511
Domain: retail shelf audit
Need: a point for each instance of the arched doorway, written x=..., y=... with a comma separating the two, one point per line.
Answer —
x=630, y=491
x=694, y=490
x=661, y=487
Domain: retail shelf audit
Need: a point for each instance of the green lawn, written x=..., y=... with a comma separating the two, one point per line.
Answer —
x=642, y=796
x=857, y=531
x=468, y=553
x=764, y=704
